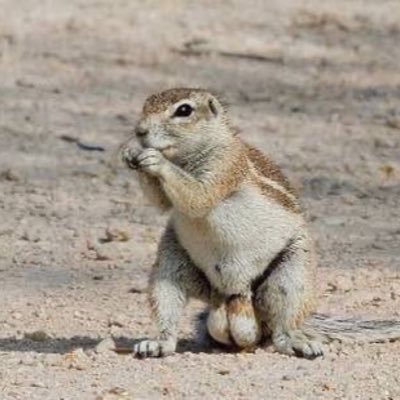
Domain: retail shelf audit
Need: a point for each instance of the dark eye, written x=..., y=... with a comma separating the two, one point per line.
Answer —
x=183, y=110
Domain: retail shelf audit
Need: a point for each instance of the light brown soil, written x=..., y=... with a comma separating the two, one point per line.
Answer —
x=321, y=94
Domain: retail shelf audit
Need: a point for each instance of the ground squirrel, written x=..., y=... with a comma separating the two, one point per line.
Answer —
x=236, y=236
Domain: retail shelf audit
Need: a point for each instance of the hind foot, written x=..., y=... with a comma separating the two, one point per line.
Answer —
x=295, y=342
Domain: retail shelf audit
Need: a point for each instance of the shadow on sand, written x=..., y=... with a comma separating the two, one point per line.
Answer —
x=66, y=345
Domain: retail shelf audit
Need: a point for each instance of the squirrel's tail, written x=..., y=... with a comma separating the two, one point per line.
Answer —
x=352, y=329
x=328, y=328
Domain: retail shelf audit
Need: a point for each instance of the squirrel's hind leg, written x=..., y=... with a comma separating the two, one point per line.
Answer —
x=286, y=297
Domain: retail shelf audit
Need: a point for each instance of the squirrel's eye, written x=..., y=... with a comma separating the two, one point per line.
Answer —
x=183, y=110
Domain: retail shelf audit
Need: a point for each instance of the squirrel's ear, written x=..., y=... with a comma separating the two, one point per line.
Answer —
x=213, y=107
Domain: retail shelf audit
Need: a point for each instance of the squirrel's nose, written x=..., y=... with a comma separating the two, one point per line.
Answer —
x=141, y=131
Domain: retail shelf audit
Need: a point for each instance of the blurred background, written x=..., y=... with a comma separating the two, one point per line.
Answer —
x=313, y=83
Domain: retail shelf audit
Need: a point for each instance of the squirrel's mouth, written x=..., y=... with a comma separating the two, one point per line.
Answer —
x=159, y=148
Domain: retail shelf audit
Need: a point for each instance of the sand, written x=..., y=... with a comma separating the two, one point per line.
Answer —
x=314, y=84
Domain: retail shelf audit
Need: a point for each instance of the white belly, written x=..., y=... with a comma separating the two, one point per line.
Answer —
x=238, y=239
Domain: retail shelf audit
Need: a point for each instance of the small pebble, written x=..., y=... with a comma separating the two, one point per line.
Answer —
x=223, y=372
x=77, y=359
x=17, y=315
x=105, y=346
x=116, y=321
x=37, y=336
x=38, y=385
x=10, y=175
x=118, y=391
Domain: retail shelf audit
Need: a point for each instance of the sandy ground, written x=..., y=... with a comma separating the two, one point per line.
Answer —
x=315, y=84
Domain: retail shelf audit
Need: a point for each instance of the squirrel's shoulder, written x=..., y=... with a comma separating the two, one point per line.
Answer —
x=267, y=167
x=269, y=178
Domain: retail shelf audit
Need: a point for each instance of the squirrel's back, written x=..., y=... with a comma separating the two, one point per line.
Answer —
x=266, y=175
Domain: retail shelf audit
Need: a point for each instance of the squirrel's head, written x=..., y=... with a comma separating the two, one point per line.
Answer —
x=179, y=120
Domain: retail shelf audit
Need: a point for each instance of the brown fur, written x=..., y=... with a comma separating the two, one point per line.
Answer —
x=276, y=195
x=228, y=171
x=161, y=101
x=239, y=305
x=267, y=167
x=234, y=171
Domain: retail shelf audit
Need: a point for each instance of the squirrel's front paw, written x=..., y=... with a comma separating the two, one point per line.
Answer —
x=153, y=348
x=130, y=157
x=146, y=160
x=151, y=161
